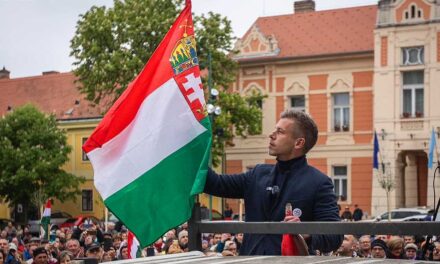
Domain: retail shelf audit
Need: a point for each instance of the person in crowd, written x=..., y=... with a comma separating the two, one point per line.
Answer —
x=364, y=247
x=41, y=257
x=4, y=245
x=409, y=239
x=384, y=238
x=13, y=256
x=227, y=213
x=230, y=249
x=205, y=246
x=95, y=251
x=215, y=240
x=117, y=241
x=183, y=240
x=395, y=248
x=379, y=249
x=436, y=252
x=31, y=253
x=268, y=188
x=2, y=257
x=238, y=239
x=411, y=251
x=65, y=257
x=357, y=213
x=347, y=247
x=174, y=247
x=346, y=215
x=123, y=252
x=73, y=246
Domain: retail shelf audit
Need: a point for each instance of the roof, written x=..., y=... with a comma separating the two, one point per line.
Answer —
x=55, y=93
x=345, y=30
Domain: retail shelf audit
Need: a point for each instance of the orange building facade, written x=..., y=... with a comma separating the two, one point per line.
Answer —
x=337, y=66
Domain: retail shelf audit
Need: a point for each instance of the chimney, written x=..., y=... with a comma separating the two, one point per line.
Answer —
x=50, y=72
x=304, y=6
x=4, y=74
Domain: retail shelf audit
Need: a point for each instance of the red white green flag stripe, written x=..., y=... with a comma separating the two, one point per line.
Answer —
x=150, y=152
x=45, y=220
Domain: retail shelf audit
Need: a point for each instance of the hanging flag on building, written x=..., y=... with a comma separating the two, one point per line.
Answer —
x=45, y=221
x=432, y=148
x=376, y=152
x=134, y=248
x=150, y=152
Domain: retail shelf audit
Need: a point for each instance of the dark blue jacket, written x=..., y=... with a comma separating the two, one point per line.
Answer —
x=303, y=186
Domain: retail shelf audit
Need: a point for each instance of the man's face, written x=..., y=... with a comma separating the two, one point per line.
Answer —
x=377, y=252
x=282, y=143
x=41, y=258
x=436, y=252
x=183, y=239
x=410, y=253
x=408, y=239
x=73, y=246
x=216, y=238
x=365, y=243
x=4, y=245
x=347, y=245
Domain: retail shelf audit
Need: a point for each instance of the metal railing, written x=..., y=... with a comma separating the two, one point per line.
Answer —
x=196, y=227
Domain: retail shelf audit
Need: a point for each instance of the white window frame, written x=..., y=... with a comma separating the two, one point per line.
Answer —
x=406, y=56
x=82, y=201
x=84, y=157
x=340, y=179
x=298, y=108
x=413, y=88
x=341, y=113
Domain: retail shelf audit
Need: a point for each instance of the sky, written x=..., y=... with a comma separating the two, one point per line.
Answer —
x=35, y=34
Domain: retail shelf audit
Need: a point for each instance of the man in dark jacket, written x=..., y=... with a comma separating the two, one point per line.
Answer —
x=267, y=189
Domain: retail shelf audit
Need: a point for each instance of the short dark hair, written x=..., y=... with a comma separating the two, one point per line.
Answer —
x=38, y=251
x=304, y=127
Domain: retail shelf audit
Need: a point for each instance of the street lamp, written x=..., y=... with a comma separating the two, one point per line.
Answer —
x=213, y=111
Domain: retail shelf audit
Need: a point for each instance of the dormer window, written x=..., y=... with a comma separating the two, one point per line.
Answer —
x=413, y=12
x=412, y=56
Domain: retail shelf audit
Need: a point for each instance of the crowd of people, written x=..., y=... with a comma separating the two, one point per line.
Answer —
x=18, y=246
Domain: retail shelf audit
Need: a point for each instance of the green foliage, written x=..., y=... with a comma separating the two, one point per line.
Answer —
x=32, y=151
x=112, y=45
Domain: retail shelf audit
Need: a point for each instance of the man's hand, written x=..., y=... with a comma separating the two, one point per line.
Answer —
x=291, y=218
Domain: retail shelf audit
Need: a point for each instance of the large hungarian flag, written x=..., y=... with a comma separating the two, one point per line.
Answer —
x=45, y=221
x=150, y=152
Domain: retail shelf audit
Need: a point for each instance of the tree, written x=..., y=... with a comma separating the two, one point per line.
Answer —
x=386, y=182
x=112, y=45
x=32, y=151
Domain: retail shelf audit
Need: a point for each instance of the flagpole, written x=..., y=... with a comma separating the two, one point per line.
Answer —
x=106, y=218
x=212, y=125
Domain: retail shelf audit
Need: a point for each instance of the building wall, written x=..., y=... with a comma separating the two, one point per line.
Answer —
x=76, y=132
x=402, y=139
x=317, y=81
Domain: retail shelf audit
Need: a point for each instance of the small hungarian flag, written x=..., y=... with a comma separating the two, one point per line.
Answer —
x=45, y=221
x=134, y=248
x=150, y=152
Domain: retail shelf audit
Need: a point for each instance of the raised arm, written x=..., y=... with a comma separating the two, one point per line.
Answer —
x=224, y=185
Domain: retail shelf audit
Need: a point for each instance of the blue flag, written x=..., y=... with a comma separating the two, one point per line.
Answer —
x=432, y=146
x=376, y=152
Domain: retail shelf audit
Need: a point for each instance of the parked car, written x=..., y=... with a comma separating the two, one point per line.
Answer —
x=79, y=220
x=405, y=214
x=56, y=219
